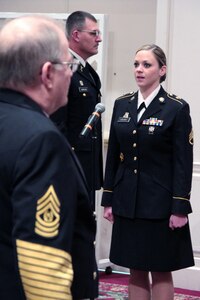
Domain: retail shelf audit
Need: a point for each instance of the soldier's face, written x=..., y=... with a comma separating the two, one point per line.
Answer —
x=89, y=39
x=147, y=70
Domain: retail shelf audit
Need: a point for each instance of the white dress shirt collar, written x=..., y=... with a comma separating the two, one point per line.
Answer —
x=82, y=61
x=149, y=99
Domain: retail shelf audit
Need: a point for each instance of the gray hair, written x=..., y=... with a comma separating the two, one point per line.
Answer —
x=159, y=55
x=23, y=53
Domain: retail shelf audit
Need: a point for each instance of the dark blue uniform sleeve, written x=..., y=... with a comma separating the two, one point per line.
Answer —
x=44, y=200
x=182, y=161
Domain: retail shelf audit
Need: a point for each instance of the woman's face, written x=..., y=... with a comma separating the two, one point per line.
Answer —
x=147, y=70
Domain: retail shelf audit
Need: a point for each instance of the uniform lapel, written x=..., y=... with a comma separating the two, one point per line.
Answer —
x=94, y=76
x=133, y=107
x=90, y=74
x=78, y=166
x=155, y=106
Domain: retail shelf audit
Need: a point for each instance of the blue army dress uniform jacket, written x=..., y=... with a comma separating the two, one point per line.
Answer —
x=84, y=94
x=149, y=163
x=46, y=222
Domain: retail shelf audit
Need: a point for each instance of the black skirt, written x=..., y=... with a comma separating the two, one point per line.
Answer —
x=150, y=245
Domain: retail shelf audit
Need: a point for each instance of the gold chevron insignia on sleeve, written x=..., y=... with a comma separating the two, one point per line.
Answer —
x=46, y=272
x=48, y=214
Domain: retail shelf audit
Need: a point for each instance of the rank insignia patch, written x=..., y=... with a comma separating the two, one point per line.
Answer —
x=48, y=214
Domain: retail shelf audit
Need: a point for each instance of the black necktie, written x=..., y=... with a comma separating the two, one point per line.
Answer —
x=142, y=105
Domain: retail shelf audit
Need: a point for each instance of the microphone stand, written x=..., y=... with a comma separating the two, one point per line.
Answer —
x=94, y=139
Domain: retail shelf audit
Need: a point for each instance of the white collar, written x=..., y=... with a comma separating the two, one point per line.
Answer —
x=82, y=61
x=149, y=99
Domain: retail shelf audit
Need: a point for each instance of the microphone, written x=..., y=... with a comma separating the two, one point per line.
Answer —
x=92, y=120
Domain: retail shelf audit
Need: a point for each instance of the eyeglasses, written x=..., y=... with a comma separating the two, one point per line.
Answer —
x=91, y=32
x=72, y=65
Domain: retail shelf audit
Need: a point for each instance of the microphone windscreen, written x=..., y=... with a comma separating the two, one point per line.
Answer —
x=100, y=107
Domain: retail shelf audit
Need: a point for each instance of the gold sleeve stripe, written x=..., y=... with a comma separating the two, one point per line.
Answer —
x=46, y=277
x=39, y=248
x=43, y=285
x=46, y=272
x=40, y=255
x=107, y=191
x=40, y=297
x=35, y=293
x=180, y=198
x=34, y=262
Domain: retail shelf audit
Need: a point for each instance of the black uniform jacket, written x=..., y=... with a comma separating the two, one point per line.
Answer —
x=84, y=94
x=149, y=164
x=46, y=222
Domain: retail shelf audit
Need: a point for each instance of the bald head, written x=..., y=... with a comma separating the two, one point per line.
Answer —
x=26, y=43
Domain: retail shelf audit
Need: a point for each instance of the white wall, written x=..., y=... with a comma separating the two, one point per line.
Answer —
x=178, y=33
x=181, y=27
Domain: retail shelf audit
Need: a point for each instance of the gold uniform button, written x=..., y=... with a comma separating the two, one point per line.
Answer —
x=84, y=94
x=94, y=275
x=134, y=145
x=134, y=131
x=135, y=171
x=73, y=148
x=135, y=158
x=94, y=243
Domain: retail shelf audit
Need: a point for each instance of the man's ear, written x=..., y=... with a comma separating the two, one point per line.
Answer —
x=75, y=35
x=47, y=74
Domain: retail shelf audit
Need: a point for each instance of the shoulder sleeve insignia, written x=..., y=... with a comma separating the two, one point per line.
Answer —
x=48, y=214
x=191, y=138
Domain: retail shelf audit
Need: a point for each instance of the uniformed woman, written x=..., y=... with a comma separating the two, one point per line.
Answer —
x=148, y=181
